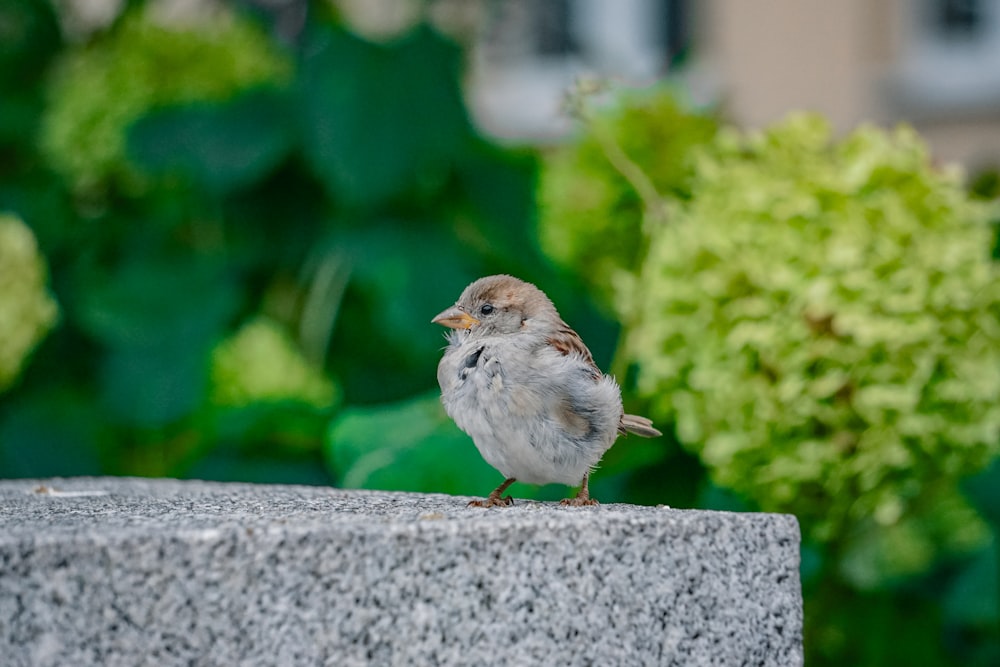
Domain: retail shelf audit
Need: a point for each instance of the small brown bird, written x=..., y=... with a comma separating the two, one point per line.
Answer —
x=522, y=384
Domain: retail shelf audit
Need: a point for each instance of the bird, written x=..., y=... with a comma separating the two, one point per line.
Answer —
x=523, y=385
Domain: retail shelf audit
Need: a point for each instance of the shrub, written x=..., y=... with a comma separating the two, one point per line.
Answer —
x=591, y=215
x=98, y=92
x=822, y=318
x=261, y=363
x=27, y=311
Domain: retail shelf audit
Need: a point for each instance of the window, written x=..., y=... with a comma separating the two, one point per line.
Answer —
x=951, y=59
x=532, y=51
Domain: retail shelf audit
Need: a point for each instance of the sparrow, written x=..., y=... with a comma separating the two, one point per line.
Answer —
x=518, y=380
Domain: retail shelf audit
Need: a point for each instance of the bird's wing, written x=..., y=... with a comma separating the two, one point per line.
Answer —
x=568, y=342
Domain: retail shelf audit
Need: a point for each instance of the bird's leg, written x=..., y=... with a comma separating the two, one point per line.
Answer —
x=496, y=498
x=582, y=497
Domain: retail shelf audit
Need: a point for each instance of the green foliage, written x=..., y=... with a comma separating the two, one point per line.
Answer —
x=823, y=318
x=27, y=311
x=876, y=554
x=28, y=28
x=246, y=237
x=592, y=215
x=261, y=363
x=222, y=147
x=411, y=446
x=59, y=433
x=156, y=346
x=411, y=127
x=96, y=93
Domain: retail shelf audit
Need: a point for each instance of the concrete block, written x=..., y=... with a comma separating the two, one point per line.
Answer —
x=117, y=571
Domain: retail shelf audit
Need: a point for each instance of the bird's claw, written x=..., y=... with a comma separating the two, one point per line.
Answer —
x=492, y=501
x=578, y=502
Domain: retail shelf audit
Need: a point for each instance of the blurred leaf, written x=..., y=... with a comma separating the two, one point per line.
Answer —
x=29, y=35
x=379, y=119
x=845, y=627
x=44, y=435
x=974, y=596
x=500, y=188
x=222, y=146
x=714, y=497
x=985, y=184
x=155, y=385
x=291, y=426
x=675, y=480
x=158, y=321
x=983, y=490
x=146, y=300
x=874, y=555
x=403, y=273
x=408, y=446
x=18, y=118
x=276, y=222
x=811, y=564
x=227, y=465
x=268, y=441
x=39, y=199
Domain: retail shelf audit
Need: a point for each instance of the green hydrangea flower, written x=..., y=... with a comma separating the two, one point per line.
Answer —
x=27, y=311
x=260, y=364
x=822, y=318
x=97, y=92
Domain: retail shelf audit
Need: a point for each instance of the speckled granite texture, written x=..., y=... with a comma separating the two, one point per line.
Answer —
x=111, y=571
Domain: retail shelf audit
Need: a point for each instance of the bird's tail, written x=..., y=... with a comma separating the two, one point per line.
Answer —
x=639, y=425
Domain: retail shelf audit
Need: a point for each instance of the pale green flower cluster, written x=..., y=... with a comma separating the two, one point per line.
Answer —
x=822, y=318
x=261, y=364
x=27, y=311
x=97, y=92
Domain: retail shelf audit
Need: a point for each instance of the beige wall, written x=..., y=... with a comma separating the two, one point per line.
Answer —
x=768, y=57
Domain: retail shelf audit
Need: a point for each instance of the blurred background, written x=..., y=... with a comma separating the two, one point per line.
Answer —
x=225, y=226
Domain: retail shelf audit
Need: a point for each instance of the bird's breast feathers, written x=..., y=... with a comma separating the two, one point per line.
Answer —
x=535, y=414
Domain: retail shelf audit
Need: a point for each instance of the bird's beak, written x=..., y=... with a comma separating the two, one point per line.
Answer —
x=454, y=318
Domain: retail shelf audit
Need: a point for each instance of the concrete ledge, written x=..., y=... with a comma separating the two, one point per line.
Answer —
x=112, y=571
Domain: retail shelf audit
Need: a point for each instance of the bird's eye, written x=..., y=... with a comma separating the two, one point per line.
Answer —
x=486, y=309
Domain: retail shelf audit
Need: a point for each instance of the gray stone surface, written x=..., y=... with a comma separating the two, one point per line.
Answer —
x=110, y=571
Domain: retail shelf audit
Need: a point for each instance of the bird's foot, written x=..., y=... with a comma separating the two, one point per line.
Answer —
x=582, y=497
x=496, y=497
x=493, y=501
x=578, y=502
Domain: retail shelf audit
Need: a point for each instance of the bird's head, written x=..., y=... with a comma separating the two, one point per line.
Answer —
x=497, y=305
